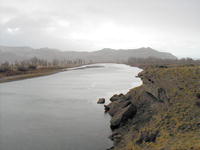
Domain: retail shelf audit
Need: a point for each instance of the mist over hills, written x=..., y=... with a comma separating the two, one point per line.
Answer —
x=12, y=54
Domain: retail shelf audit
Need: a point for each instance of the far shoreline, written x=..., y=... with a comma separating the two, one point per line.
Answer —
x=29, y=75
x=44, y=72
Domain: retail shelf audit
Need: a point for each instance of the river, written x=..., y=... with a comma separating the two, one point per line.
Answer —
x=59, y=111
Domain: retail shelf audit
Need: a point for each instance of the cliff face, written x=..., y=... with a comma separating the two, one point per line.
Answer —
x=162, y=114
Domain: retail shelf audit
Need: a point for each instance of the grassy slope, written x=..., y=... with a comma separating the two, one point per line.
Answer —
x=177, y=120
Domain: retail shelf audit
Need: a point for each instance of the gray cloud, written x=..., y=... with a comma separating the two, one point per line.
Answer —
x=171, y=25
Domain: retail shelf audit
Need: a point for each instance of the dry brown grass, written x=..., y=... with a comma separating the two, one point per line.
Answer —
x=179, y=123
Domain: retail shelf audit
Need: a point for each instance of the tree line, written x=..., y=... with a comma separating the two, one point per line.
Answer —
x=36, y=63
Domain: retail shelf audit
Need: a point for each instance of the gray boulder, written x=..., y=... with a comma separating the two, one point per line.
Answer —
x=116, y=106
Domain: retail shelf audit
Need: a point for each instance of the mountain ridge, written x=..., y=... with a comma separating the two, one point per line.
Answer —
x=12, y=54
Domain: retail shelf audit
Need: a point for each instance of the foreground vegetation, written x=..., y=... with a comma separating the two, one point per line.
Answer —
x=168, y=110
x=176, y=120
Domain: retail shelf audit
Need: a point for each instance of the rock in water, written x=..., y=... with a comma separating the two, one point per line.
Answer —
x=101, y=101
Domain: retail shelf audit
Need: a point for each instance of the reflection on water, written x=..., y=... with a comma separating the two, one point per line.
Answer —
x=59, y=112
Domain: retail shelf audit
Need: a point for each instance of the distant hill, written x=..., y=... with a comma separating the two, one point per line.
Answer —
x=12, y=54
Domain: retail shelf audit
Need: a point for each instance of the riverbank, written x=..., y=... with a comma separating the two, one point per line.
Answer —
x=41, y=72
x=161, y=114
x=30, y=74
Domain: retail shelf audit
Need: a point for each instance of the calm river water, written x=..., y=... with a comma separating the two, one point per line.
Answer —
x=59, y=112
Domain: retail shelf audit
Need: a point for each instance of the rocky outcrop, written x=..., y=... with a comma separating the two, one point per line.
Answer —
x=121, y=109
x=116, y=106
x=122, y=116
x=120, y=97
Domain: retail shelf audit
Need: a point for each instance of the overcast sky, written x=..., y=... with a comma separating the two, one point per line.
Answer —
x=166, y=25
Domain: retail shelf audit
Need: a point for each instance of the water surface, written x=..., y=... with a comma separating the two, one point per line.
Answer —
x=59, y=112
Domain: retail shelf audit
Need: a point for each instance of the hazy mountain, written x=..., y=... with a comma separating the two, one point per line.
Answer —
x=12, y=54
